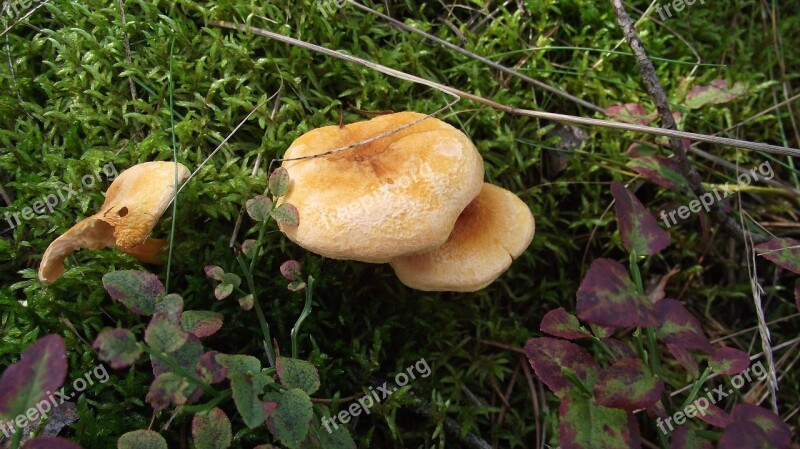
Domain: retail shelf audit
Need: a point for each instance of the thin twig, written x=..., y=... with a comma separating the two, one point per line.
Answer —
x=661, y=101
x=126, y=41
x=560, y=118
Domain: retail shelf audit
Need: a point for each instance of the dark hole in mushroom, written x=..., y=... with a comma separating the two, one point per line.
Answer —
x=123, y=212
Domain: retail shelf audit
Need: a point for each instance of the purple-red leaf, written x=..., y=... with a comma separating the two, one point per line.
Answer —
x=137, y=290
x=279, y=182
x=717, y=92
x=210, y=370
x=728, y=361
x=558, y=322
x=684, y=358
x=549, y=357
x=166, y=389
x=627, y=384
x=619, y=348
x=49, y=443
x=777, y=432
x=211, y=430
x=292, y=270
x=201, y=323
x=259, y=207
x=686, y=438
x=660, y=170
x=678, y=327
x=743, y=435
x=639, y=229
x=117, y=347
x=608, y=297
x=41, y=369
x=711, y=414
x=784, y=253
x=630, y=113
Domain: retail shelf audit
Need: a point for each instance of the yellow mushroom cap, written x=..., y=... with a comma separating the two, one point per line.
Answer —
x=398, y=195
x=134, y=203
x=490, y=233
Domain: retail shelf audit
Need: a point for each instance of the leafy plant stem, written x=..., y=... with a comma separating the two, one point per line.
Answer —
x=303, y=315
x=696, y=388
x=652, y=347
x=248, y=275
x=179, y=369
x=573, y=379
x=604, y=348
x=187, y=409
x=707, y=434
x=16, y=439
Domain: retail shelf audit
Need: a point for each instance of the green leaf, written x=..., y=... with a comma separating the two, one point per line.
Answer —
x=246, y=364
x=291, y=419
x=141, y=439
x=214, y=272
x=137, y=290
x=639, y=229
x=286, y=214
x=41, y=369
x=166, y=389
x=259, y=207
x=295, y=373
x=630, y=113
x=201, y=323
x=223, y=291
x=211, y=430
x=117, y=347
x=717, y=92
x=583, y=423
x=163, y=335
x=279, y=182
x=232, y=278
x=188, y=356
x=172, y=304
x=247, y=389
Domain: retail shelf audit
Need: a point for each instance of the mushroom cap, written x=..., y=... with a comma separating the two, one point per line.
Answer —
x=134, y=203
x=491, y=232
x=398, y=195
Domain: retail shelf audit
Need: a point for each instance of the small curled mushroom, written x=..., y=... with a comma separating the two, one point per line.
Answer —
x=134, y=203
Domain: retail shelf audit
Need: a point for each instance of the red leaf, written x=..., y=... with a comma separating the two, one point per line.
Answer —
x=292, y=270
x=620, y=349
x=548, y=356
x=684, y=358
x=742, y=435
x=660, y=170
x=210, y=370
x=784, y=253
x=117, y=347
x=685, y=438
x=711, y=414
x=559, y=323
x=777, y=432
x=49, y=443
x=678, y=327
x=627, y=384
x=729, y=361
x=638, y=227
x=630, y=113
x=41, y=369
x=608, y=297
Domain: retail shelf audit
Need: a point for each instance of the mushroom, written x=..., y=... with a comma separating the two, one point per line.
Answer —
x=395, y=195
x=134, y=203
x=490, y=233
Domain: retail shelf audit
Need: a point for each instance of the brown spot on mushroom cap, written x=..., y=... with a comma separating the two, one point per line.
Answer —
x=134, y=203
x=398, y=195
x=491, y=232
